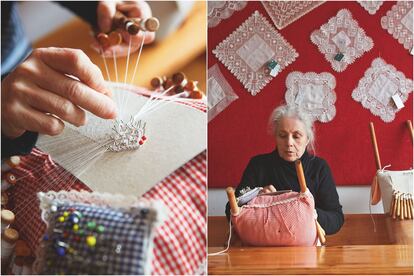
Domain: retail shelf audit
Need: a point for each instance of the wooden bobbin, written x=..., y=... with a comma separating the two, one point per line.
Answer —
x=134, y=25
x=156, y=82
x=4, y=199
x=103, y=40
x=303, y=188
x=234, y=208
x=10, y=163
x=392, y=203
x=375, y=146
x=115, y=38
x=394, y=210
x=410, y=128
x=22, y=249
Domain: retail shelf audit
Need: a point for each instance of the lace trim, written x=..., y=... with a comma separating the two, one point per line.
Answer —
x=399, y=23
x=389, y=82
x=284, y=13
x=341, y=35
x=371, y=6
x=220, y=93
x=219, y=10
x=250, y=47
x=114, y=201
x=314, y=93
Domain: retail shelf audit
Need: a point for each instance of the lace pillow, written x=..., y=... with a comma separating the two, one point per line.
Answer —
x=92, y=233
x=399, y=23
x=341, y=40
x=284, y=13
x=220, y=93
x=380, y=83
x=314, y=93
x=219, y=10
x=371, y=6
x=248, y=50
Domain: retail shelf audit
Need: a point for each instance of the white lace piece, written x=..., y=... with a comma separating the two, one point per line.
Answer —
x=306, y=194
x=341, y=34
x=399, y=23
x=314, y=93
x=375, y=90
x=219, y=10
x=157, y=209
x=371, y=6
x=250, y=47
x=284, y=13
x=220, y=93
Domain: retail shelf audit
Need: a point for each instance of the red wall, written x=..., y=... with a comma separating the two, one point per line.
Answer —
x=240, y=131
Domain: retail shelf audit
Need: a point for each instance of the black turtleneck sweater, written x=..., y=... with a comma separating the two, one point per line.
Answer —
x=271, y=169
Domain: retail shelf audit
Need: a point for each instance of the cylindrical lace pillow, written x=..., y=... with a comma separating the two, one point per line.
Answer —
x=278, y=220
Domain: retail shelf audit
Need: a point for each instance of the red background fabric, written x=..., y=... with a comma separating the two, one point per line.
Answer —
x=241, y=131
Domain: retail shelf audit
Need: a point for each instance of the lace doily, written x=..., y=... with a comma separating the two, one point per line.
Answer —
x=375, y=90
x=220, y=93
x=314, y=93
x=284, y=13
x=399, y=23
x=341, y=40
x=111, y=233
x=371, y=6
x=250, y=47
x=219, y=10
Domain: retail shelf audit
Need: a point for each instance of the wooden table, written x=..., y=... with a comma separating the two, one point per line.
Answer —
x=183, y=50
x=356, y=249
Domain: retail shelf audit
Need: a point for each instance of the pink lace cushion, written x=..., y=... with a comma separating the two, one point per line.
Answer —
x=278, y=220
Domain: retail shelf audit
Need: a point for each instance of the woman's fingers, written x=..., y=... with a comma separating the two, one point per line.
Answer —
x=105, y=13
x=268, y=189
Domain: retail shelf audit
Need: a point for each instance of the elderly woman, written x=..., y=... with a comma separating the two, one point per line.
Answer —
x=293, y=130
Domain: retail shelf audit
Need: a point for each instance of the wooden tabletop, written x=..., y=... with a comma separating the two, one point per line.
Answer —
x=183, y=50
x=355, y=249
x=355, y=259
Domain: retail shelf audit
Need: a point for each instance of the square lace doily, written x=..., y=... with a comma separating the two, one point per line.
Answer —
x=314, y=93
x=375, y=90
x=220, y=93
x=341, y=35
x=284, y=13
x=371, y=6
x=220, y=10
x=250, y=47
x=399, y=23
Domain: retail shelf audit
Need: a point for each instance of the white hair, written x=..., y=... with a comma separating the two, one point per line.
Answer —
x=296, y=112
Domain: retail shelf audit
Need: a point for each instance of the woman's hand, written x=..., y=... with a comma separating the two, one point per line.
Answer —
x=39, y=95
x=268, y=189
x=134, y=9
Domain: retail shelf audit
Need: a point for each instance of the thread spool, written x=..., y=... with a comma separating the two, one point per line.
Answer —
x=10, y=163
x=7, y=218
x=8, y=241
x=8, y=181
x=103, y=40
x=156, y=82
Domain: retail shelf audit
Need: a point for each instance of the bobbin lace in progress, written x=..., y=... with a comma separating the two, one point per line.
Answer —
x=371, y=6
x=399, y=23
x=220, y=10
x=284, y=13
x=341, y=40
x=312, y=92
x=127, y=136
x=375, y=90
x=250, y=47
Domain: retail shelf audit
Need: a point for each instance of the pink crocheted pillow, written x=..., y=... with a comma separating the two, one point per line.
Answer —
x=278, y=220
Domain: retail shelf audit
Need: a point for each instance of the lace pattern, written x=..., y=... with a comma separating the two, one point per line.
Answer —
x=250, y=47
x=371, y=6
x=220, y=93
x=399, y=23
x=341, y=40
x=375, y=90
x=314, y=93
x=284, y=13
x=219, y=10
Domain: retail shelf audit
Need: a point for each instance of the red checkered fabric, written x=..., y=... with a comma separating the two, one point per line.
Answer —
x=179, y=244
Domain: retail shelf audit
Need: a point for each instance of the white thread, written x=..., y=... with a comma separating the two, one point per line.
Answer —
x=228, y=244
